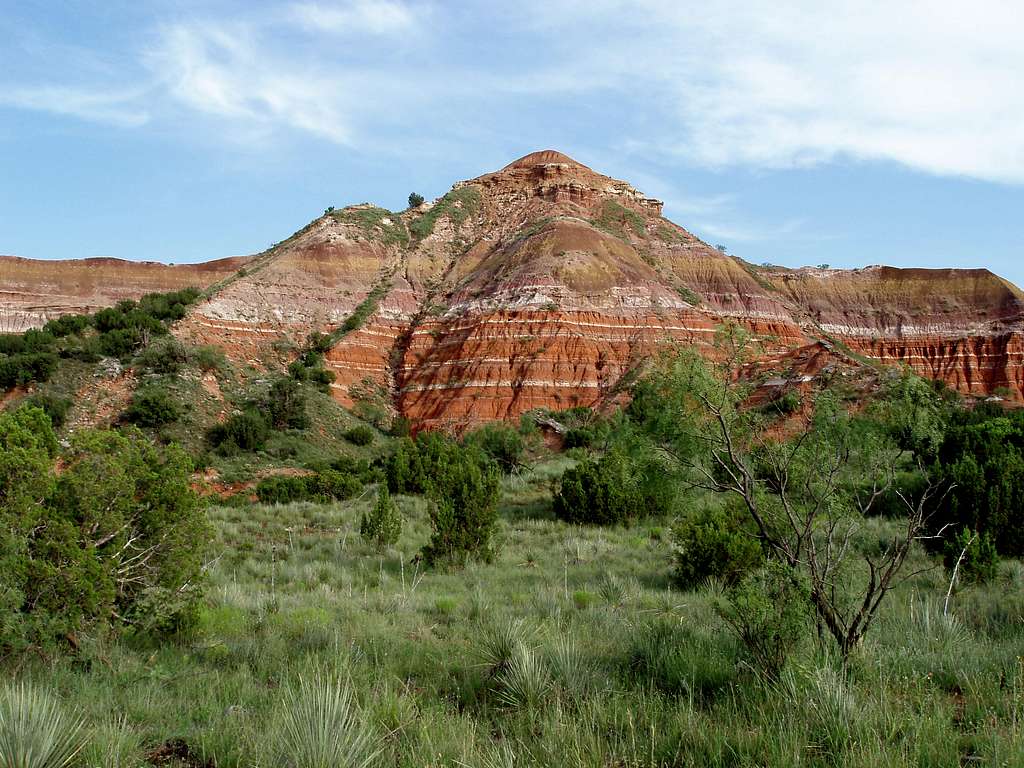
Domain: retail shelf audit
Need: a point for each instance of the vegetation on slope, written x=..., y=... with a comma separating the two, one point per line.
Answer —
x=378, y=224
x=629, y=601
x=456, y=206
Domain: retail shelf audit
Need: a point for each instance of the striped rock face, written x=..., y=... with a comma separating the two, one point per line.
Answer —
x=543, y=285
x=33, y=292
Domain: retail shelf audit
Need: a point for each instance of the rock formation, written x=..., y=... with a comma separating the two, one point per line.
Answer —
x=541, y=285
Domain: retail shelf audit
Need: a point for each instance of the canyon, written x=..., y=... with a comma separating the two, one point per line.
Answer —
x=544, y=284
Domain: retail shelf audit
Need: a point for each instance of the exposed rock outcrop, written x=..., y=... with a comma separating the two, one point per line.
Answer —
x=542, y=285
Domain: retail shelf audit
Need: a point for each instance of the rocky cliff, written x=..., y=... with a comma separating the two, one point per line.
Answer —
x=541, y=285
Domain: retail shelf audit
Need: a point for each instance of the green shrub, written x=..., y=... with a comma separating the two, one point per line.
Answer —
x=286, y=405
x=415, y=200
x=324, y=486
x=976, y=554
x=502, y=443
x=786, y=404
x=165, y=357
x=69, y=541
x=383, y=524
x=119, y=342
x=578, y=437
x=282, y=489
x=246, y=431
x=462, y=485
x=400, y=427
x=359, y=435
x=404, y=468
x=207, y=358
x=713, y=543
x=614, y=490
x=67, y=325
x=152, y=406
x=769, y=611
x=21, y=369
x=53, y=406
x=330, y=484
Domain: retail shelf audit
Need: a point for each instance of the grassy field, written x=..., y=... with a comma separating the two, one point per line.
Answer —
x=571, y=649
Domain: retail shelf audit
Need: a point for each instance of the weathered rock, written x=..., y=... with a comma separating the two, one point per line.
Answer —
x=542, y=285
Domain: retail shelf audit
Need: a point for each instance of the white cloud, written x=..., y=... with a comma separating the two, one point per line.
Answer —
x=118, y=108
x=360, y=16
x=227, y=72
x=932, y=85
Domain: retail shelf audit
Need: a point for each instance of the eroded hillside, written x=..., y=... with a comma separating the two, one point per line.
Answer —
x=540, y=285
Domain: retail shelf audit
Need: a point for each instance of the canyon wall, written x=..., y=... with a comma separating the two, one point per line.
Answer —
x=541, y=285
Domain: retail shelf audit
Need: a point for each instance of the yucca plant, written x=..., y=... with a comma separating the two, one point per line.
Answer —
x=570, y=668
x=34, y=731
x=525, y=682
x=321, y=726
x=500, y=642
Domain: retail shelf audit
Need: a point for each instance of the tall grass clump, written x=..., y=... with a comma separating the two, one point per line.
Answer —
x=321, y=726
x=34, y=731
x=525, y=682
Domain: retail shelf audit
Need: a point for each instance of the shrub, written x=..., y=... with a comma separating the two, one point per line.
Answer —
x=400, y=427
x=786, y=404
x=166, y=357
x=323, y=486
x=713, y=543
x=66, y=325
x=281, y=489
x=286, y=405
x=21, y=369
x=247, y=431
x=152, y=407
x=404, y=470
x=34, y=731
x=207, y=358
x=116, y=496
x=502, y=443
x=383, y=524
x=463, y=485
x=769, y=611
x=578, y=437
x=53, y=406
x=359, y=435
x=980, y=561
x=349, y=465
x=612, y=491
x=415, y=200
x=330, y=484
x=119, y=342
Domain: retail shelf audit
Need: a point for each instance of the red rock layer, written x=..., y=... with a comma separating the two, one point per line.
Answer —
x=541, y=285
x=34, y=291
x=498, y=365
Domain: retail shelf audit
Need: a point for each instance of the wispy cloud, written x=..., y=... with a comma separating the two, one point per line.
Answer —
x=225, y=72
x=118, y=108
x=929, y=84
x=363, y=16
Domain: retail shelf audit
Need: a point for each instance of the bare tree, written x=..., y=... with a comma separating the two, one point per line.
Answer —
x=807, y=486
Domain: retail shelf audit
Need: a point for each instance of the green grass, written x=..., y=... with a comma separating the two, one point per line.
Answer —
x=618, y=220
x=363, y=311
x=457, y=206
x=376, y=223
x=687, y=295
x=571, y=649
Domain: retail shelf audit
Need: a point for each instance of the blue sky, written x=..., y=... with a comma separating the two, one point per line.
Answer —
x=848, y=133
